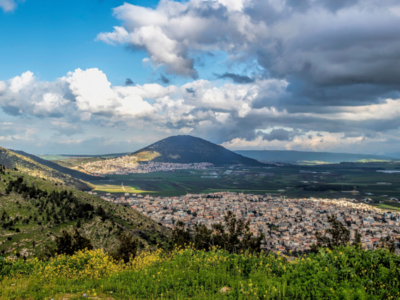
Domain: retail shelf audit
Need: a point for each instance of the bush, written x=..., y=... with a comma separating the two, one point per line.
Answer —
x=234, y=236
x=127, y=249
x=69, y=244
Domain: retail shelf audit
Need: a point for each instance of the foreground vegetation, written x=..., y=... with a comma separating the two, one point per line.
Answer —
x=344, y=273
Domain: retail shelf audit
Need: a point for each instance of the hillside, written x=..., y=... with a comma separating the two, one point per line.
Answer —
x=33, y=211
x=27, y=165
x=298, y=156
x=188, y=149
x=56, y=166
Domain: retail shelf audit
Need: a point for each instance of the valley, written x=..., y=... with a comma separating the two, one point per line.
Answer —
x=347, y=180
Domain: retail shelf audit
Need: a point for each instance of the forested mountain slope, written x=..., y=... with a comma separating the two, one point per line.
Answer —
x=33, y=211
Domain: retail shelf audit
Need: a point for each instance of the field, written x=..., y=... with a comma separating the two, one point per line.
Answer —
x=345, y=273
x=109, y=188
x=350, y=180
x=183, y=182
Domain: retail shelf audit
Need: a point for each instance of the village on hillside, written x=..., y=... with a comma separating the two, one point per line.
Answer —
x=130, y=165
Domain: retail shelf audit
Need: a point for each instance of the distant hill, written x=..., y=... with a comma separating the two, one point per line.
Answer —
x=62, y=169
x=297, y=156
x=27, y=165
x=188, y=149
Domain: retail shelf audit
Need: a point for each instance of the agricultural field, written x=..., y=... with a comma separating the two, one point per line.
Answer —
x=350, y=180
x=194, y=181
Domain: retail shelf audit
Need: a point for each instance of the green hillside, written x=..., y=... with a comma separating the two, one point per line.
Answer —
x=188, y=149
x=28, y=166
x=33, y=211
x=63, y=169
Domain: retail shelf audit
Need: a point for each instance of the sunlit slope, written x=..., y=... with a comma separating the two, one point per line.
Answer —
x=25, y=164
x=63, y=169
x=189, y=149
x=38, y=210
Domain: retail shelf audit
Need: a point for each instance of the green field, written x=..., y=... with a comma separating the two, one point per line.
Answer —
x=349, y=180
x=109, y=188
x=180, y=183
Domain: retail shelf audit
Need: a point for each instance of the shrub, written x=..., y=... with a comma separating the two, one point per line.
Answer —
x=69, y=244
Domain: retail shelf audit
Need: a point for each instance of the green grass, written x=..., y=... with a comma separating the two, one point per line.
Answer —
x=109, y=188
x=345, y=273
x=389, y=206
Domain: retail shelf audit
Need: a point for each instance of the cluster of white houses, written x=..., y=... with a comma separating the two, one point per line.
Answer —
x=130, y=165
x=289, y=224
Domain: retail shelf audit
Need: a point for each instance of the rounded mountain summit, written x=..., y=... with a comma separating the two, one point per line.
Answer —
x=186, y=149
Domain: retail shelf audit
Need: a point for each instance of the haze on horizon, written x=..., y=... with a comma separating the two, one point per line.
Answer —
x=111, y=76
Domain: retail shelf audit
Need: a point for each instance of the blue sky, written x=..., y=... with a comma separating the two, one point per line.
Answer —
x=51, y=38
x=247, y=74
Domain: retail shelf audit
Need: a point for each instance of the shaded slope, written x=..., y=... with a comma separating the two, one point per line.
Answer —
x=13, y=160
x=292, y=156
x=62, y=169
x=189, y=149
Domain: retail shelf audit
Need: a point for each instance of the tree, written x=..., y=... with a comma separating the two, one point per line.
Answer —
x=181, y=236
x=233, y=236
x=336, y=236
x=357, y=240
x=127, y=248
x=69, y=244
x=387, y=243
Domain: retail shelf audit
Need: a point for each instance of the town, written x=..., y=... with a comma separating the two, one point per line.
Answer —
x=130, y=165
x=289, y=224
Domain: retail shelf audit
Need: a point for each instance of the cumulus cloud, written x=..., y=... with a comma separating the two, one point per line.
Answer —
x=84, y=102
x=330, y=52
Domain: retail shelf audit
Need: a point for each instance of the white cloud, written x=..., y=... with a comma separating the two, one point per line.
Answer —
x=84, y=102
x=8, y=5
x=3, y=86
x=50, y=103
x=19, y=82
x=92, y=90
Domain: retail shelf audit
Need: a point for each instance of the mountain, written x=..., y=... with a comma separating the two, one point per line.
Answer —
x=33, y=211
x=62, y=169
x=188, y=149
x=295, y=156
x=27, y=165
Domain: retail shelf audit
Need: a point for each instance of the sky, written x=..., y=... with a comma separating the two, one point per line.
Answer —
x=108, y=76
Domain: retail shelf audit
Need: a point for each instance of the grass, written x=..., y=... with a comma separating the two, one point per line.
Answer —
x=388, y=206
x=109, y=188
x=345, y=273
